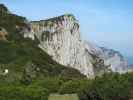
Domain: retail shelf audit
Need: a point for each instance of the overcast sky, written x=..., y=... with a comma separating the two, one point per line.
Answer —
x=107, y=23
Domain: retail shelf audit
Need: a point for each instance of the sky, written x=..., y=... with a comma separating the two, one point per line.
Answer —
x=107, y=23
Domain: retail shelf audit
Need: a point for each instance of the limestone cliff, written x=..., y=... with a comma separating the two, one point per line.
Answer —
x=117, y=61
x=60, y=38
x=111, y=57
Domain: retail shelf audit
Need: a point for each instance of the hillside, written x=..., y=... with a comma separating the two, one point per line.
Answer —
x=22, y=57
x=29, y=73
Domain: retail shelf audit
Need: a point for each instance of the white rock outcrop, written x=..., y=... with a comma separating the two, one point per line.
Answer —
x=60, y=38
x=111, y=57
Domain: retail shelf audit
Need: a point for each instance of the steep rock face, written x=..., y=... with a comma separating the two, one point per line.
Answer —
x=115, y=59
x=60, y=38
x=111, y=57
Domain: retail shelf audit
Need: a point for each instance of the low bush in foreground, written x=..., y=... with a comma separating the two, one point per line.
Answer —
x=107, y=87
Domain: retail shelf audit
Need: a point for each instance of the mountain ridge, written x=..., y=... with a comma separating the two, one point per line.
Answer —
x=23, y=59
x=60, y=38
x=28, y=72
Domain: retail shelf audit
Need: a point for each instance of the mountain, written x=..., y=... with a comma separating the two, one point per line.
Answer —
x=60, y=38
x=21, y=58
x=113, y=58
x=53, y=42
x=33, y=55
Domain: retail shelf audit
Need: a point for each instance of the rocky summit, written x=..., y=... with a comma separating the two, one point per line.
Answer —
x=60, y=38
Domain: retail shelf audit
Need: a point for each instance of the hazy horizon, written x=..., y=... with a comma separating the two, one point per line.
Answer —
x=106, y=23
